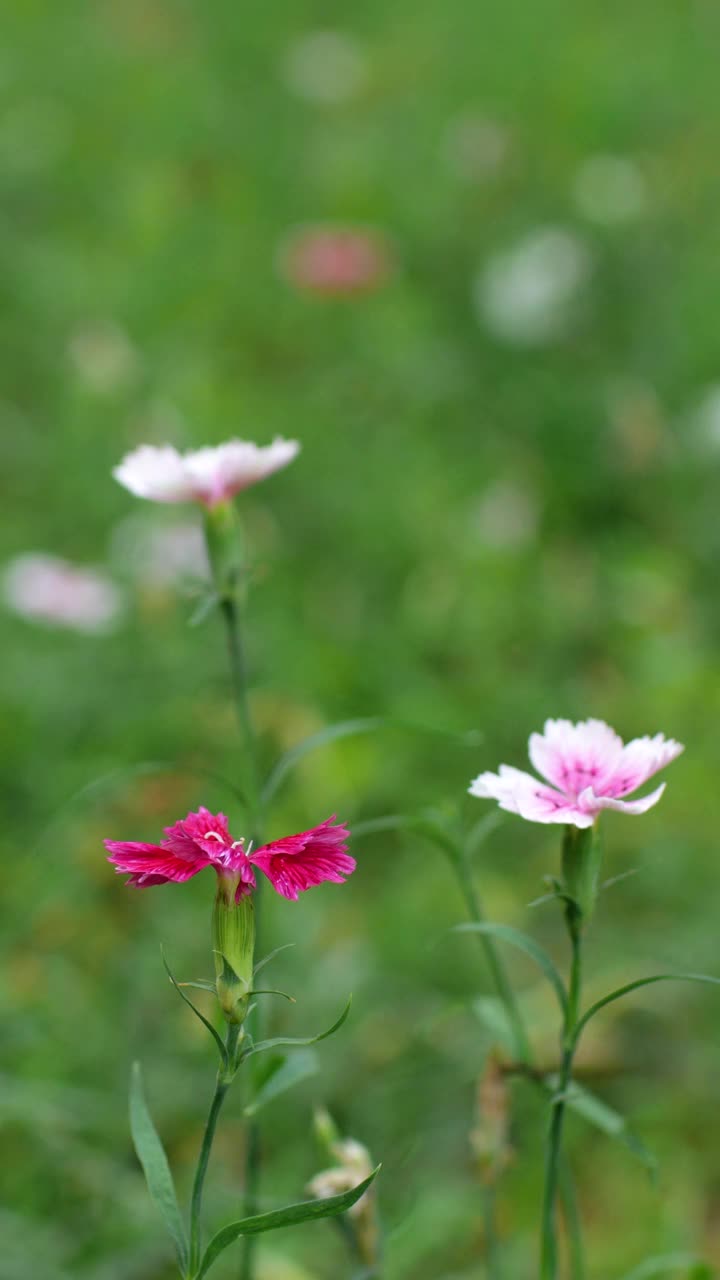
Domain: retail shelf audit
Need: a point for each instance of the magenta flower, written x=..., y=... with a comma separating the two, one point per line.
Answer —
x=588, y=768
x=203, y=840
x=209, y=476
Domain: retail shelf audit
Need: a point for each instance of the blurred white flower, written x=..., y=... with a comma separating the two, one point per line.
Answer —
x=531, y=294
x=160, y=555
x=44, y=588
x=610, y=190
x=475, y=148
x=506, y=517
x=103, y=356
x=209, y=476
x=705, y=419
x=325, y=67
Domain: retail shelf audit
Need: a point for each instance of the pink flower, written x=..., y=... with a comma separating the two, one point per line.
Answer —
x=203, y=840
x=46, y=589
x=209, y=476
x=589, y=769
x=335, y=260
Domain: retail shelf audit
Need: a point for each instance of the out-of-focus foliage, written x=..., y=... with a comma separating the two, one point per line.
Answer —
x=505, y=508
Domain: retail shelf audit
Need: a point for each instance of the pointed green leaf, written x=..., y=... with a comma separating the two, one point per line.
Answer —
x=286, y=1073
x=272, y=991
x=304, y=1211
x=351, y=728
x=271, y=956
x=202, y=984
x=606, y=1119
x=281, y=1042
x=662, y=1266
x=152, y=1157
x=482, y=829
x=522, y=942
x=635, y=986
x=331, y=733
x=206, y=1023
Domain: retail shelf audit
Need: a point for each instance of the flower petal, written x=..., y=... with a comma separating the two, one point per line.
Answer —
x=200, y=834
x=639, y=760
x=575, y=756
x=298, y=862
x=593, y=804
x=149, y=864
x=218, y=474
x=157, y=473
x=521, y=793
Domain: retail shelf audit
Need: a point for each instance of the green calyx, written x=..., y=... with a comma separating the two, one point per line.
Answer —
x=233, y=930
x=581, y=858
x=223, y=539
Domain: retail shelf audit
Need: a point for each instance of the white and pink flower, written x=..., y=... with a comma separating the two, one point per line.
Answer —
x=587, y=768
x=209, y=476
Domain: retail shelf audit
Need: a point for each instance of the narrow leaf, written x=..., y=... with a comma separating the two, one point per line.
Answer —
x=281, y=1042
x=522, y=942
x=304, y=1211
x=352, y=728
x=206, y=1023
x=288, y=1072
x=606, y=1119
x=272, y=991
x=483, y=828
x=661, y=1266
x=152, y=1157
x=271, y=956
x=331, y=733
x=202, y=984
x=635, y=986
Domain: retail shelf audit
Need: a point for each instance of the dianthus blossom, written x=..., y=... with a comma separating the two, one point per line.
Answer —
x=209, y=476
x=202, y=839
x=587, y=768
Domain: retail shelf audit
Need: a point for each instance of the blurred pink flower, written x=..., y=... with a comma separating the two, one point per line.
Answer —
x=211, y=475
x=46, y=589
x=203, y=840
x=335, y=260
x=589, y=769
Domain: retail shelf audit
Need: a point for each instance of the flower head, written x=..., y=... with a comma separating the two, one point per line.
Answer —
x=335, y=261
x=203, y=839
x=209, y=476
x=589, y=769
x=46, y=589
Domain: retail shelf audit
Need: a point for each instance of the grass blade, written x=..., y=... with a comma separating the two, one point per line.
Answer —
x=151, y=1154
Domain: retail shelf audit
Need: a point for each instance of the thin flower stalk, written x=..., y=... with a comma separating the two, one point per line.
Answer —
x=586, y=769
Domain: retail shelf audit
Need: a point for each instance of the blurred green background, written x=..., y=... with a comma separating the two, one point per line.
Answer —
x=505, y=509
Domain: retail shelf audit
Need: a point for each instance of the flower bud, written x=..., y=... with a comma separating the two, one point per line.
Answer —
x=233, y=931
x=353, y=1166
x=223, y=538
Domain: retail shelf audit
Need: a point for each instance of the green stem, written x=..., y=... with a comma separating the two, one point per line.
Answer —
x=492, y=1250
x=222, y=1084
x=521, y=1043
x=549, y=1247
x=238, y=670
x=573, y=1225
